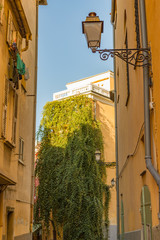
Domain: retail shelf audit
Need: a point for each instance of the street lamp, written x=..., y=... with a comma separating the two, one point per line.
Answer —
x=98, y=159
x=93, y=27
x=113, y=182
x=98, y=155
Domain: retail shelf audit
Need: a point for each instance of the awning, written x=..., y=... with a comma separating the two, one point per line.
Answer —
x=21, y=19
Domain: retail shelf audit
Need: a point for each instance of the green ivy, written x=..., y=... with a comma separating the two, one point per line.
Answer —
x=71, y=182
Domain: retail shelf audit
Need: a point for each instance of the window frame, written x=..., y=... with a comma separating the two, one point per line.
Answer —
x=10, y=114
x=21, y=150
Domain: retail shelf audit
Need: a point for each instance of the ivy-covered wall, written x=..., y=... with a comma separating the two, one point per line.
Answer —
x=71, y=193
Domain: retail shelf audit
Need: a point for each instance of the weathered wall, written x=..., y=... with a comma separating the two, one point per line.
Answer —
x=19, y=197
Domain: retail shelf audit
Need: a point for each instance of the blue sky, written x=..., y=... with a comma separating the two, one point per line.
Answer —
x=63, y=55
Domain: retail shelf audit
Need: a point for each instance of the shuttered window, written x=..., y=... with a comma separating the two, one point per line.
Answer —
x=10, y=111
x=13, y=35
x=122, y=221
x=11, y=30
x=14, y=117
x=4, y=120
x=146, y=214
x=21, y=149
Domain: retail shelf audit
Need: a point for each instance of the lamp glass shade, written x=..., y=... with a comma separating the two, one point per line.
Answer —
x=93, y=32
x=98, y=155
x=112, y=182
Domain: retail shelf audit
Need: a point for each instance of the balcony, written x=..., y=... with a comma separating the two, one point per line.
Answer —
x=88, y=89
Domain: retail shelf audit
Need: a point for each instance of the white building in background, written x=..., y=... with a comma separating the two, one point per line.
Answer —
x=100, y=84
x=100, y=88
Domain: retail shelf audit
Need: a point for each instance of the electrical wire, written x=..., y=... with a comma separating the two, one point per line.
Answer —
x=134, y=152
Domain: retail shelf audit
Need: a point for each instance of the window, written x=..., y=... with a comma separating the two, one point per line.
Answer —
x=13, y=35
x=11, y=29
x=21, y=149
x=146, y=214
x=117, y=82
x=4, y=121
x=10, y=110
x=122, y=220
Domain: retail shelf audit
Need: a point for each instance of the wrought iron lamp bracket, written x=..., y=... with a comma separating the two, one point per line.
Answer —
x=137, y=57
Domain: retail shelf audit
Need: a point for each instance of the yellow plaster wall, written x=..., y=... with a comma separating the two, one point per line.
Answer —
x=105, y=114
x=22, y=218
x=131, y=117
x=153, y=26
x=19, y=197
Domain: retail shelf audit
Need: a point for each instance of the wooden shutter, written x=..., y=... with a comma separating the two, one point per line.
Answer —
x=146, y=213
x=11, y=30
x=19, y=41
x=15, y=110
x=23, y=82
x=4, y=121
x=122, y=221
x=9, y=39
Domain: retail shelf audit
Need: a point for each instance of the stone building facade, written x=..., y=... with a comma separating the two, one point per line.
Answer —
x=18, y=85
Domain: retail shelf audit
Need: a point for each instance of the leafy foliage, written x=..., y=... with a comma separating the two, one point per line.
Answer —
x=71, y=187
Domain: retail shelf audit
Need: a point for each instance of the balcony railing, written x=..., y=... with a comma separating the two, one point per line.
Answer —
x=90, y=88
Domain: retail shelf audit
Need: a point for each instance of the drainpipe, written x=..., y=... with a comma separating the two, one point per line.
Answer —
x=116, y=128
x=148, y=158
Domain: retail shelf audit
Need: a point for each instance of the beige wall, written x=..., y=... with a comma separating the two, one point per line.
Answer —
x=19, y=197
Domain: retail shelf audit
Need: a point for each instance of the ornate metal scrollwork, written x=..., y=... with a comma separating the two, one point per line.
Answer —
x=136, y=57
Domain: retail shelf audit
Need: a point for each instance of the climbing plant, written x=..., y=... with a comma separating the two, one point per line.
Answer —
x=71, y=183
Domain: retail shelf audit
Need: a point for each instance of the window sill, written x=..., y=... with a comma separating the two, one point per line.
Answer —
x=9, y=144
x=21, y=162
